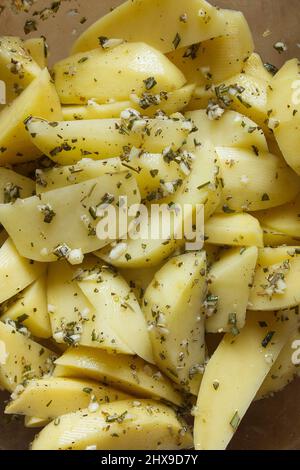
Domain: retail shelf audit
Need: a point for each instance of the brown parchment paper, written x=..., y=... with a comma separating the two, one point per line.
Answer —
x=269, y=424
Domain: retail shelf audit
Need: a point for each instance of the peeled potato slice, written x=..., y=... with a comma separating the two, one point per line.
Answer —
x=121, y=71
x=52, y=397
x=16, y=272
x=38, y=49
x=143, y=21
x=31, y=309
x=233, y=376
x=234, y=230
x=52, y=212
x=145, y=425
x=173, y=306
x=229, y=287
x=21, y=358
x=128, y=373
x=35, y=422
x=284, y=219
x=13, y=186
x=93, y=110
x=67, y=142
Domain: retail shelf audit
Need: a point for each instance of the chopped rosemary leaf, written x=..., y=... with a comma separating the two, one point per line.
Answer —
x=234, y=423
x=267, y=339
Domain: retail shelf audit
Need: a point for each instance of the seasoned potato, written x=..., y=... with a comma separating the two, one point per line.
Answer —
x=255, y=180
x=165, y=25
x=21, y=358
x=145, y=425
x=31, y=309
x=52, y=397
x=93, y=110
x=273, y=238
x=229, y=386
x=67, y=142
x=284, y=219
x=39, y=99
x=173, y=306
x=233, y=230
x=229, y=284
x=70, y=207
x=17, y=67
x=254, y=66
x=32, y=422
x=16, y=272
x=128, y=373
x=38, y=49
x=14, y=186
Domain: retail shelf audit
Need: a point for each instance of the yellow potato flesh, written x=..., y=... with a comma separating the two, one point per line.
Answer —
x=284, y=219
x=234, y=229
x=10, y=181
x=37, y=48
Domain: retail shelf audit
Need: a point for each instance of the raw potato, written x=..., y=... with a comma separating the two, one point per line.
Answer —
x=128, y=373
x=233, y=230
x=157, y=24
x=276, y=280
x=284, y=371
x=146, y=425
x=284, y=219
x=284, y=101
x=73, y=318
x=255, y=68
x=233, y=376
x=34, y=422
x=219, y=58
x=65, y=207
x=121, y=71
x=31, y=309
x=173, y=306
x=13, y=186
x=232, y=130
x=67, y=142
x=274, y=239
x=52, y=397
x=85, y=169
x=93, y=110
x=229, y=284
x=17, y=67
x=16, y=272
x=139, y=279
x=38, y=49
x=21, y=358
x=254, y=180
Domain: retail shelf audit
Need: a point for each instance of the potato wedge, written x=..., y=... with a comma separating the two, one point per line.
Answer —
x=32, y=422
x=284, y=219
x=144, y=426
x=233, y=230
x=16, y=272
x=128, y=373
x=122, y=70
x=233, y=376
x=85, y=169
x=21, y=358
x=14, y=186
x=139, y=279
x=17, y=67
x=93, y=110
x=143, y=21
x=39, y=99
x=255, y=67
x=273, y=238
x=71, y=207
x=38, y=49
x=265, y=179
x=275, y=284
x=31, y=309
x=52, y=397
x=67, y=142
x=229, y=284
x=173, y=306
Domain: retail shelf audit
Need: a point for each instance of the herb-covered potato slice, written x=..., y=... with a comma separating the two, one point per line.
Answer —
x=122, y=70
x=39, y=99
x=116, y=305
x=93, y=110
x=284, y=106
x=234, y=374
x=255, y=180
x=38, y=49
x=14, y=186
x=273, y=238
x=85, y=169
x=125, y=424
x=32, y=422
x=68, y=141
x=284, y=219
x=128, y=373
x=17, y=67
x=165, y=26
x=21, y=358
x=229, y=287
x=276, y=280
x=16, y=272
x=219, y=58
x=30, y=308
x=233, y=229
x=74, y=207
x=52, y=397
x=231, y=130
x=173, y=306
